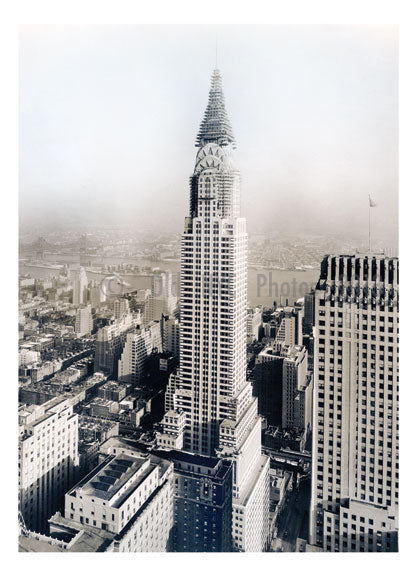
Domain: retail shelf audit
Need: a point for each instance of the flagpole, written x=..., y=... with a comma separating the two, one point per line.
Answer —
x=372, y=204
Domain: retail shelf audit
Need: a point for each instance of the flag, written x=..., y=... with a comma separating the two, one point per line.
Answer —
x=372, y=203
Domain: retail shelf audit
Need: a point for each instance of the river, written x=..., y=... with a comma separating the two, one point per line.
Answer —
x=264, y=285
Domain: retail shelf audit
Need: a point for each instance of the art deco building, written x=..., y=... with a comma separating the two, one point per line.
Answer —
x=211, y=386
x=355, y=416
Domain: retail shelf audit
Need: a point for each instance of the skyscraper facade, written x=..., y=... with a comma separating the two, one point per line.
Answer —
x=121, y=308
x=80, y=285
x=162, y=299
x=296, y=389
x=254, y=324
x=284, y=387
x=170, y=331
x=48, y=459
x=202, y=503
x=354, y=503
x=267, y=385
x=211, y=386
x=97, y=294
x=110, y=340
x=83, y=321
x=137, y=348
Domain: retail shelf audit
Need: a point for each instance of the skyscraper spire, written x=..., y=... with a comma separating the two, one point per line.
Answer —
x=216, y=126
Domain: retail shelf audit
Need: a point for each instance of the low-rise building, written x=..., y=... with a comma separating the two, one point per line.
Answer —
x=74, y=392
x=27, y=357
x=43, y=369
x=128, y=413
x=123, y=505
x=112, y=390
x=92, y=432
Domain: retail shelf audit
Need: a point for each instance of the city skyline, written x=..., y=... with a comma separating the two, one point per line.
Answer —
x=172, y=395
x=316, y=100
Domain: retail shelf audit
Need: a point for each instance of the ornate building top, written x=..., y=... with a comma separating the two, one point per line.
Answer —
x=216, y=127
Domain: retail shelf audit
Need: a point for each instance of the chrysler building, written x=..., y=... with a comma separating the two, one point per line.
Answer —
x=210, y=387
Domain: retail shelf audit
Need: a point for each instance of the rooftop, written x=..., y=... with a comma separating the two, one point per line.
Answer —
x=218, y=468
x=113, y=385
x=115, y=472
x=29, y=543
x=64, y=390
x=88, y=424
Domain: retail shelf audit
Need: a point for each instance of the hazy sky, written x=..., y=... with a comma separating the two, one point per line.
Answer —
x=109, y=116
